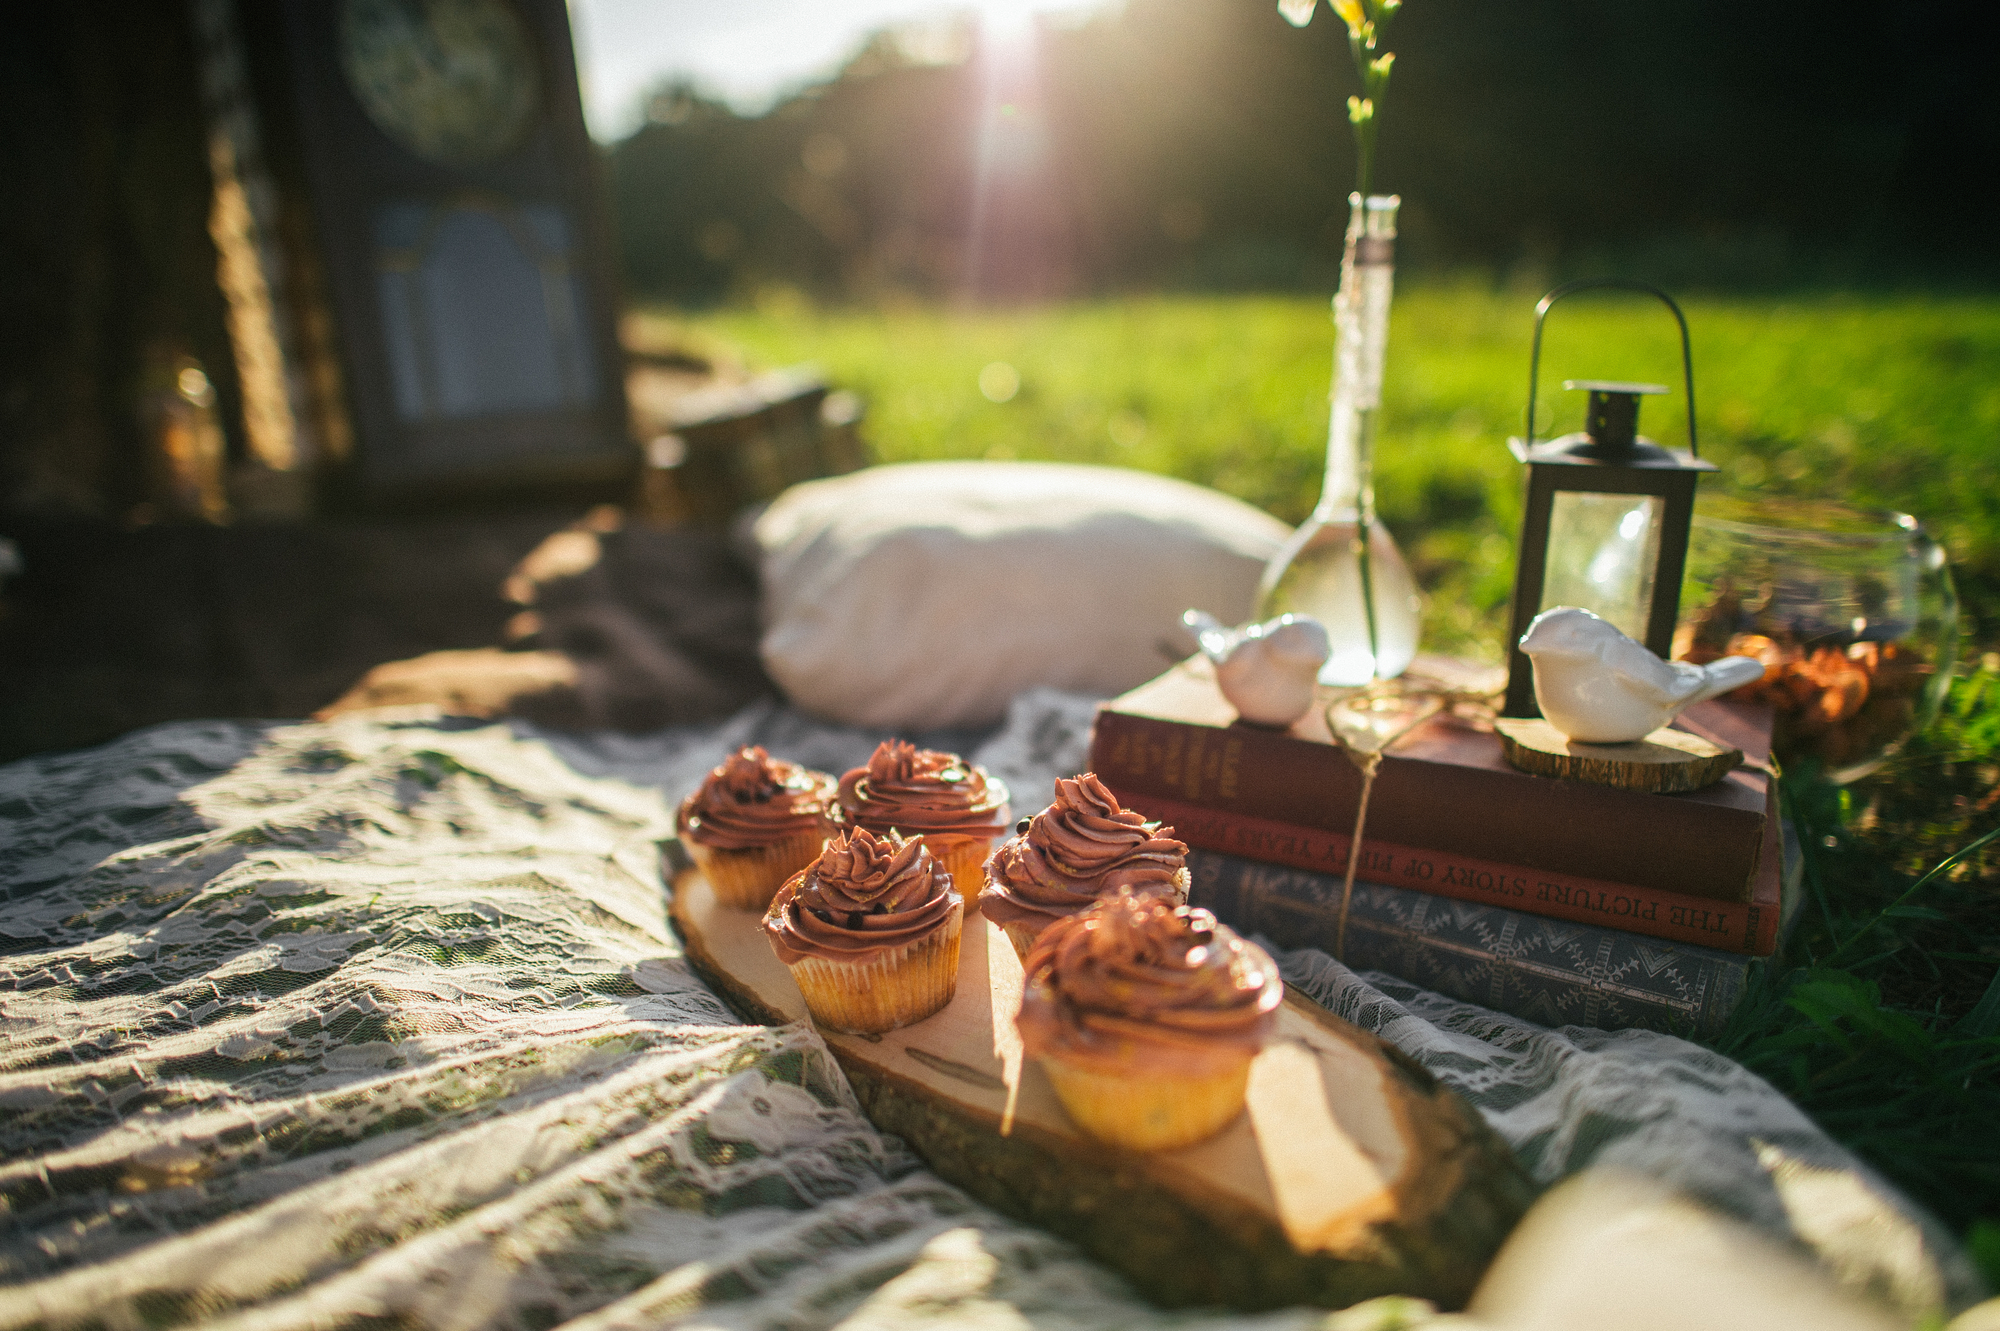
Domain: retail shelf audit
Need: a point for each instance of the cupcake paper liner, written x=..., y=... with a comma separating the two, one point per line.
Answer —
x=1142, y=1113
x=748, y=879
x=1023, y=935
x=964, y=860
x=895, y=989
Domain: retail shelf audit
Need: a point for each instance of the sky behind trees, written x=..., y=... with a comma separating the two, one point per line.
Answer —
x=748, y=55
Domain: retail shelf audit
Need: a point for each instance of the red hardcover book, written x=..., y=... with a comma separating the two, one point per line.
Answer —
x=1446, y=787
x=1750, y=928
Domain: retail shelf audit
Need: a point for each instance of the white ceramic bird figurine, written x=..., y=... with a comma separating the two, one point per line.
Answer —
x=1597, y=686
x=1267, y=671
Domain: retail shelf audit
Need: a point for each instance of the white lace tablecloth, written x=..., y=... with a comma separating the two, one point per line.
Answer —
x=379, y=1021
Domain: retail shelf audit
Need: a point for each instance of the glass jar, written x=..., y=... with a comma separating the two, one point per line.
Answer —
x=1341, y=566
x=1852, y=613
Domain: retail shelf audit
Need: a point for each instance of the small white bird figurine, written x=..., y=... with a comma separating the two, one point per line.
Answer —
x=1267, y=671
x=1597, y=686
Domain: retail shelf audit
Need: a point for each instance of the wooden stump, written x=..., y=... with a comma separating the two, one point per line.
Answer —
x=1666, y=762
x=1352, y=1174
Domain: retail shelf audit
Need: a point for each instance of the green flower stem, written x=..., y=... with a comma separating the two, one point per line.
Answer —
x=1365, y=112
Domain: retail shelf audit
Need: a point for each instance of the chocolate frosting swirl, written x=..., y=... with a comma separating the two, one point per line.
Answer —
x=922, y=792
x=1138, y=984
x=864, y=895
x=754, y=799
x=1082, y=847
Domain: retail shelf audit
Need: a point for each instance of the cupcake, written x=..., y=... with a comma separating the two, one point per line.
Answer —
x=955, y=807
x=870, y=932
x=1082, y=847
x=1146, y=1015
x=755, y=821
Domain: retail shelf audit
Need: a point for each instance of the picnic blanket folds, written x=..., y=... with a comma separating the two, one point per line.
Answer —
x=380, y=1017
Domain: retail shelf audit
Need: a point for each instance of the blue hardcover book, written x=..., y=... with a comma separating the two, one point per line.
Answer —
x=1546, y=971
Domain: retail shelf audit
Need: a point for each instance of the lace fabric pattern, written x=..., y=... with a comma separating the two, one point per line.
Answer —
x=324, y=1024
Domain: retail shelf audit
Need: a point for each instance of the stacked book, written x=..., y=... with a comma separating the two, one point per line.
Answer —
x=1557, y=901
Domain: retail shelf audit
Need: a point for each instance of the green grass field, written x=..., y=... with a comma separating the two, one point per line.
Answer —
x=1882, y=1016
x=1879, y=401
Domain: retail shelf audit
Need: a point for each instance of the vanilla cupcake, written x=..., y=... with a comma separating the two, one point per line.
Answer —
x=1146, y=1016
x=870, y=931
x=754, y=822
x=955, y=807
x=1082, y=847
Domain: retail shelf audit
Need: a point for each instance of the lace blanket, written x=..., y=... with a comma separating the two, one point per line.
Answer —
x=316, y=1024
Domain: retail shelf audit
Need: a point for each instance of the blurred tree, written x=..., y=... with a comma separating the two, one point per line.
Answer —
x=1203, y=143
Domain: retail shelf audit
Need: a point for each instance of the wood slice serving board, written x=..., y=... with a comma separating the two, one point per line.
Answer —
x=1353, y=1172
x=1666, y=762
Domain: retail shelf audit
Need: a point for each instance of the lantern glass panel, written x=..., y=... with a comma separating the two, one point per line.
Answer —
x=1604, y=553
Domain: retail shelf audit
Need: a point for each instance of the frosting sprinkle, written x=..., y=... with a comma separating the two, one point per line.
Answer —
x=1082, y=847
x=1137, y=983
x=864, y=895
x=923, y=792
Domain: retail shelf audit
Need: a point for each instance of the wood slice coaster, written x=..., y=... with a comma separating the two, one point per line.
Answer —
x=1354, y=1173
x=1666, y=762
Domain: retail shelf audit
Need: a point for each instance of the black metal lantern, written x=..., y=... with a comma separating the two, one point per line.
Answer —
x=1606, y=522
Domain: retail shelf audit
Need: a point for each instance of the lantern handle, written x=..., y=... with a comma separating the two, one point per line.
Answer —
x=1619, y=284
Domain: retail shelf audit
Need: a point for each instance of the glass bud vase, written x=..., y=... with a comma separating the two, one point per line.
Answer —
x=1341, y=566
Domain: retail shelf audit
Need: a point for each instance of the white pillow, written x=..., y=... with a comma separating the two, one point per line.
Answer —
x=929, y=594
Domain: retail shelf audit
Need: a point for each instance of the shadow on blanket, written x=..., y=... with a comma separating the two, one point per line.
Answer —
x=617, y=626
x=365, y=1021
